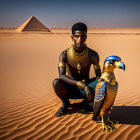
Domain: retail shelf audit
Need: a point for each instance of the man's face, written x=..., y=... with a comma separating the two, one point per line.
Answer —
x=79, y=38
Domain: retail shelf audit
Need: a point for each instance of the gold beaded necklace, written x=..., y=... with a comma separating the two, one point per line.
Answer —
x=78, y=60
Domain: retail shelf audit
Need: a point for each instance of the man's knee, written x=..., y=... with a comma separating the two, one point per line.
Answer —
x=57, y=83
x=59, y=88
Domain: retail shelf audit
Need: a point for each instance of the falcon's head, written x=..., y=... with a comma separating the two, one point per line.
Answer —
x=112, y=62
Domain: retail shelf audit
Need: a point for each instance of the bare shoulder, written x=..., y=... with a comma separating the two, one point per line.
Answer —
x=94, y=56
x=92, y=52
x=63, y=56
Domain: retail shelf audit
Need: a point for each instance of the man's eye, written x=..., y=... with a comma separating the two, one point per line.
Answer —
x=77, y=36
x=83, y=36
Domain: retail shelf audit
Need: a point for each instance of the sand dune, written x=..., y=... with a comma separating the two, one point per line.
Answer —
x=28, y=102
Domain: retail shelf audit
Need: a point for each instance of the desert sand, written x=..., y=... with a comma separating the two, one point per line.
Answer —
x=28, y=66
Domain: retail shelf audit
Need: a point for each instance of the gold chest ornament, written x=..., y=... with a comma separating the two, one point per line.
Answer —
x=78, y=60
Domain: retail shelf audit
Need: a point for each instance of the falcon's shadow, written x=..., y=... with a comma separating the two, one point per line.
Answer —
x=123, y=114
x=126, y=114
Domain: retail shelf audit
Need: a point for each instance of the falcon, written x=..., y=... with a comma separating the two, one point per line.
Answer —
x=105, y=93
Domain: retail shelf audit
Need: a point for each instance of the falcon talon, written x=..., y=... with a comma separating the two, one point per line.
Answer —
x=111, y=125
x=115, y=122
x=106, y=91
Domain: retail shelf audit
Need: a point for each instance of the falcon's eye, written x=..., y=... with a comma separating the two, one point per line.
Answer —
x=112, y=61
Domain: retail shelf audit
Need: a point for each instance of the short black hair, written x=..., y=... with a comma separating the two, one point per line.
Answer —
x=79, y=26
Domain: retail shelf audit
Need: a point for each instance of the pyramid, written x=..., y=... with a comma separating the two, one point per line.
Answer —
x=32, y=24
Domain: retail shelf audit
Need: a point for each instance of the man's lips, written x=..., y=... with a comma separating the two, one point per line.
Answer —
x=79, y=43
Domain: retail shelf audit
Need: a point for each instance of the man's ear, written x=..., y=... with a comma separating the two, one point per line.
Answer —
x=72, y=36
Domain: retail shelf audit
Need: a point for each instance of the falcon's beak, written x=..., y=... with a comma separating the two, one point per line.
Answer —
x=120, y=65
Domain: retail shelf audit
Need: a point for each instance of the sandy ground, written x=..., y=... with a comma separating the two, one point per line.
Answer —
x=28, y=65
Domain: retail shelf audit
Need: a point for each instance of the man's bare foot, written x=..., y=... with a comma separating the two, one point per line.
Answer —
x=61, y=111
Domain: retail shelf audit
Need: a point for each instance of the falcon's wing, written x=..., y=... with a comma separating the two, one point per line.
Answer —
x=100, y=91
x=99, y=98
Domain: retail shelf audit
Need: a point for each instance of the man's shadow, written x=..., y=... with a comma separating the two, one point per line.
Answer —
x=123, y=114
x=76, y=108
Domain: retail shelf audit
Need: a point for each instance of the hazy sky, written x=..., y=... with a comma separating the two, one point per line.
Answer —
x=64, y=13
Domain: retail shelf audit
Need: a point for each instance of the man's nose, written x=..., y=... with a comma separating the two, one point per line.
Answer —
x=80, y=38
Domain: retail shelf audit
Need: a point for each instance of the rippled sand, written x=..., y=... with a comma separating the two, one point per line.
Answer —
x=28, y=65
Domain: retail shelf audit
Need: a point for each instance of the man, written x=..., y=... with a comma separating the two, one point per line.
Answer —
x=74, y=66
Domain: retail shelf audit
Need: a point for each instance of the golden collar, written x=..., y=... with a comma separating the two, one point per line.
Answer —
x=78, y=60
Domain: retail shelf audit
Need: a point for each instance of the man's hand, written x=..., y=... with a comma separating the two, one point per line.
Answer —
x=89, y=92
x=97, y=78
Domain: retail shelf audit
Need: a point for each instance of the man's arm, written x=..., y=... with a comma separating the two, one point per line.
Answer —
x=62, y=69
x=62, y=72
x=95, y=61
